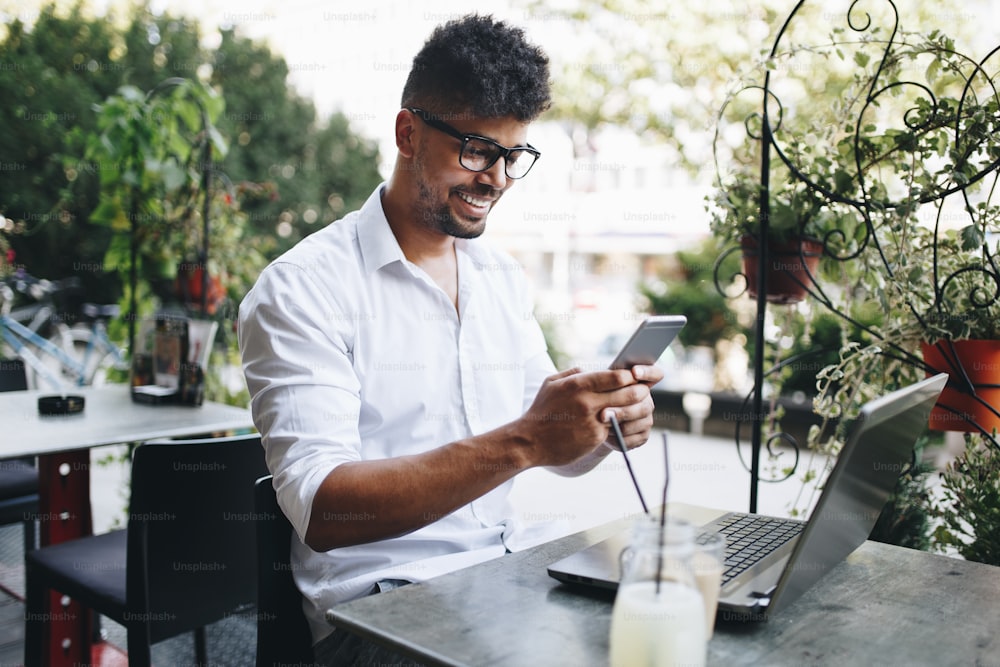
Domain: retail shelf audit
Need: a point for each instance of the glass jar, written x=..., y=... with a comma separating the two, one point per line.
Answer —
x=658, y=616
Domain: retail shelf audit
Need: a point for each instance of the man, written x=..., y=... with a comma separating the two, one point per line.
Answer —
x=397, y=376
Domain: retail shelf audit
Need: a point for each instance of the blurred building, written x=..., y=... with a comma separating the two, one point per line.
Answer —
x=596, y=216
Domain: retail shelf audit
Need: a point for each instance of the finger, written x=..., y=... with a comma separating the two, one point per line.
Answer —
x=563, y=374
x=605, y=381
x=647, y=374
x=636, y=432
x=632, y=440
x=624, y=397
x=636, y=426
x=635, y=411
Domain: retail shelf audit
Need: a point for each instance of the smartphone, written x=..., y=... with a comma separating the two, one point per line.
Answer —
x=649, y=341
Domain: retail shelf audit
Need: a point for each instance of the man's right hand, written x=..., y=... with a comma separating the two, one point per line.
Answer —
x=566, y=420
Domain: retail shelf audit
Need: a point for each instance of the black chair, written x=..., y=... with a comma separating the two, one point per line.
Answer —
x=186, y=559
x=13, y=376
x=283, y=636
x=18, y=477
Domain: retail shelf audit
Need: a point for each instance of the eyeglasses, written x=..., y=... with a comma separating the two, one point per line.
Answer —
x=480, y=153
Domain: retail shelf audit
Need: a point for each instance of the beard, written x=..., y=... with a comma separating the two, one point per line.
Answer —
x=438, y=215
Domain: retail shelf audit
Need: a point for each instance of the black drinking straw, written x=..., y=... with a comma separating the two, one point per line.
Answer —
x=621, y=445
x=663, y=515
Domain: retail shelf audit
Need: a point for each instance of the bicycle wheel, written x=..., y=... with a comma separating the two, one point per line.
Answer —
x=88, y=369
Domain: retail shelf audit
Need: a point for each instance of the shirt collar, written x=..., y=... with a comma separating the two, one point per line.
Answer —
x=380, y=248
x=378, y=244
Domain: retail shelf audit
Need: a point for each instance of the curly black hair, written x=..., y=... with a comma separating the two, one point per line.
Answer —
x=482, y=67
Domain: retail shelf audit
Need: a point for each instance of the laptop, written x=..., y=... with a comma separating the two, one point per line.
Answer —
x=878, y=448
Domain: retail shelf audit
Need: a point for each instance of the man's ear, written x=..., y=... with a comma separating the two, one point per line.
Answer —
x=405, y=135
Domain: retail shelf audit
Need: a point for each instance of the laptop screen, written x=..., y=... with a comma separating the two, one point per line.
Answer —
x=879, y=448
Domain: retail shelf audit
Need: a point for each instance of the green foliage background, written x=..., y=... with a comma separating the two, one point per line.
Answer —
x=57, y=69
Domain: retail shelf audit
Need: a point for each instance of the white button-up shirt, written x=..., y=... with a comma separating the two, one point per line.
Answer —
x=352, y=353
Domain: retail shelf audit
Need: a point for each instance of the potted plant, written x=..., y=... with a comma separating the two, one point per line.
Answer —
x=930, y=267
x=952, y=310
x=809, y=209
x=895, y=180
x=898, y=169
x=800, y=223
x=159, y=145
x=177, y=226
x=969, y=507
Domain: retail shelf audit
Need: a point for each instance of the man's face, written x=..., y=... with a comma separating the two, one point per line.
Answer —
x=453, y=200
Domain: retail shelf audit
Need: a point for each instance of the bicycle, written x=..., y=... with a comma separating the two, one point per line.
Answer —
x=56, y=354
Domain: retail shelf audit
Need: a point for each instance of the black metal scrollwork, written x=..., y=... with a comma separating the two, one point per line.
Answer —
x=886, y=180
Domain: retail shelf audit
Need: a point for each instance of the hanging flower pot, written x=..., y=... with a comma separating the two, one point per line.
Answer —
x=188, y=287
x=972, y=398
x=791, y=264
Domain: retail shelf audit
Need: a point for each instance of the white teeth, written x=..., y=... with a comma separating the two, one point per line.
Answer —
x=481, y=203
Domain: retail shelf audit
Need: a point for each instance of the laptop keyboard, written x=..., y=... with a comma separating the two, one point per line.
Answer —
x=751, y=537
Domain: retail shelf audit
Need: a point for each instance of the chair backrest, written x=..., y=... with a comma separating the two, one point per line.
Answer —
x=12, y=375
x=283, y=635
x=191, y=531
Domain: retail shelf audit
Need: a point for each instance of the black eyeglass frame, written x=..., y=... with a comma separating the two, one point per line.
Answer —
x=502, y=151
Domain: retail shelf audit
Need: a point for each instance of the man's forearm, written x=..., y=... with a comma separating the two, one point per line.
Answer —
x=366, y=501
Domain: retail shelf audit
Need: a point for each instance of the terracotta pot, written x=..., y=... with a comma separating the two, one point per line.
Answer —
x=188, y=287
x=792, y=266
x=959, y=409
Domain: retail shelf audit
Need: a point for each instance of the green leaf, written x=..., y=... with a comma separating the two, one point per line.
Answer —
x=219, y=143
x=933, y=69
x=972, y=237
x=173, y=176
x=189, y=113
x=178, y=146
x=843, y=182
x=106, y=211
x=214, y=104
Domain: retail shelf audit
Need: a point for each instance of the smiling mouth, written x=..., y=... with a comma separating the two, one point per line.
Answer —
x=474, y=201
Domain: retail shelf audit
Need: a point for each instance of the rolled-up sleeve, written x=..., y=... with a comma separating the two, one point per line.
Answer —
x=305, y=393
